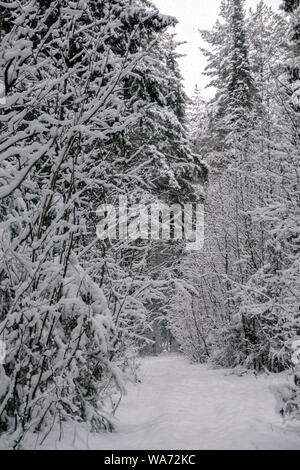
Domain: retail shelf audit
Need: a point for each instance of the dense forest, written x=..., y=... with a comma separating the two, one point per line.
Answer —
x=94, y=109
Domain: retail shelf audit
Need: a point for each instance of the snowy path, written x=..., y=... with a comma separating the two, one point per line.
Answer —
x=187, y=406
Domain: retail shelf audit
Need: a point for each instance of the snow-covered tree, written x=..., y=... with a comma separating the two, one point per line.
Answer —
x=246, y=284
x=72, y=76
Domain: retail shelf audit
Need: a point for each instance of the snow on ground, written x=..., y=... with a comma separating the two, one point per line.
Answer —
x=179, y=405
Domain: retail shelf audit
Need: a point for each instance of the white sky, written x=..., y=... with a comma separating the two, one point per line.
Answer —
x=194, y=15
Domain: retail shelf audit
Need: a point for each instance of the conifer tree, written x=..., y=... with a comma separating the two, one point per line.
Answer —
x=72, y=98
x=249, y=258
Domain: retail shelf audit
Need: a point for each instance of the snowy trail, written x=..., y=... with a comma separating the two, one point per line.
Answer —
x=187, y=406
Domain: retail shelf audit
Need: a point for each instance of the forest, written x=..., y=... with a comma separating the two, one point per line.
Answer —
x=93, y=108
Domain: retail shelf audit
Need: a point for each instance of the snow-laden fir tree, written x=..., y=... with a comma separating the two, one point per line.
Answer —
x=246, y=287
x=283, y=270
x=73, y=96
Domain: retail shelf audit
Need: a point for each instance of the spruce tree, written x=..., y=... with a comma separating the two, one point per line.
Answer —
x=66, y=73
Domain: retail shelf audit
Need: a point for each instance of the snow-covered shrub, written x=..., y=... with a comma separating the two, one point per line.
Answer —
x=288, y=394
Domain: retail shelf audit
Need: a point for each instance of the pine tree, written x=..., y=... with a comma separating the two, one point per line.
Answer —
x=65, y=71
x=243, y=294
x=284, y=220
x=273, y=288
x=240, y=85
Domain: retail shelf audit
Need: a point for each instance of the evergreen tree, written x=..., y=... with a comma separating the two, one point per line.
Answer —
x=249, y=258
x=66, y=71
x=240, y=85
